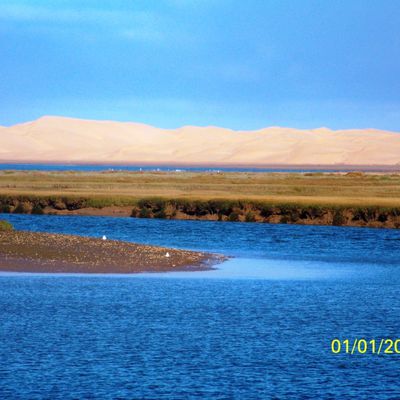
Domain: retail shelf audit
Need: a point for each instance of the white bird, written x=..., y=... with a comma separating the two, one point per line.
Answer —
x=167, y=254
x=104, y=237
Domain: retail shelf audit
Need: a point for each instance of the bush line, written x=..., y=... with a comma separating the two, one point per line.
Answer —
x=213, y=209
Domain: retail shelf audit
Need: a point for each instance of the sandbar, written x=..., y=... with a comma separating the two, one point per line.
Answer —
x=22, y=251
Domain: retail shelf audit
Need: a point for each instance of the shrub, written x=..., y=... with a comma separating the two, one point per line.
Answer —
x=294, y=216
x=160, y=214
x=5, y=208
x=201, y=207
x=284, y=220
x=159, y=205
x=187, y=207
x=365, y=214
x=5, y=226
x=37, y=209
x=395, y=212
x=267, y=211
x=227, y=206
x=144, y=203
x=57, y=204
x=75, y=203
x=233, y=216
x=338, y=218
x=20, y=209
x=383, y=217
x=170, y=211
x=287, y=209
x=250, y=217
x=317, y=211
x=144, y=213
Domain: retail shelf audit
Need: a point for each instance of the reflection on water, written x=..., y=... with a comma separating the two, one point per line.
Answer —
x=240, y=268
x=248, y=268
x=261, y=269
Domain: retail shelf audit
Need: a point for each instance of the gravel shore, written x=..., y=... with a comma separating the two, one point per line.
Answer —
x=22, y=251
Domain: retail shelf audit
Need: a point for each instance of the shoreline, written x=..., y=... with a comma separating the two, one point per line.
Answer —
x=23, y=251
x=234, y=211
x=343, y=199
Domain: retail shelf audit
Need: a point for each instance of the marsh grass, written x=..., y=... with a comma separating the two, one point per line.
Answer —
x=205, y=192
x=5, y=226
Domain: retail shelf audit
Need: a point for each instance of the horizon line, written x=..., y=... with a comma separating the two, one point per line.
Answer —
x=192, y=126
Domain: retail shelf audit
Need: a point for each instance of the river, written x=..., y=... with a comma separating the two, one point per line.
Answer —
x=259, y=326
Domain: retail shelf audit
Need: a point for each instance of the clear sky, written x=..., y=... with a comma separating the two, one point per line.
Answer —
x=237, y=64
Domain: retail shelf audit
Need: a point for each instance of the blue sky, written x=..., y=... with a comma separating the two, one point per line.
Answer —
x=241, y=65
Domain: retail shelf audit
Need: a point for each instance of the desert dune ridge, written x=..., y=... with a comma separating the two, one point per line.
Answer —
x=70, y=140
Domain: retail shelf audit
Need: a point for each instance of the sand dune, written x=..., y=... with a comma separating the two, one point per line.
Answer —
x=59, y=139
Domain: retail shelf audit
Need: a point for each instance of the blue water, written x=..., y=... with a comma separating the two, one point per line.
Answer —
x=258, y=327
x=112, y=167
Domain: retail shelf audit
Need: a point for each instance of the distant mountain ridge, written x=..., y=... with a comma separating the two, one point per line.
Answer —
x=61, y=139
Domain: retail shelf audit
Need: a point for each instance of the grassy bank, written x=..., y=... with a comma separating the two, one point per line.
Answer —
x=120, y=187
x=356, y=199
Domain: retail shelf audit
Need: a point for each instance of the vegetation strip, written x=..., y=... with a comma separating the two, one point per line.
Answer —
x=351, y=199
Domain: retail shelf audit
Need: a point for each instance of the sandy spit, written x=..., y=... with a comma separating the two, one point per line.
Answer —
x=22, y=251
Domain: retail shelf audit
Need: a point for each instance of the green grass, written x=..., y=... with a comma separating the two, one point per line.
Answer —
x=5, y=226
